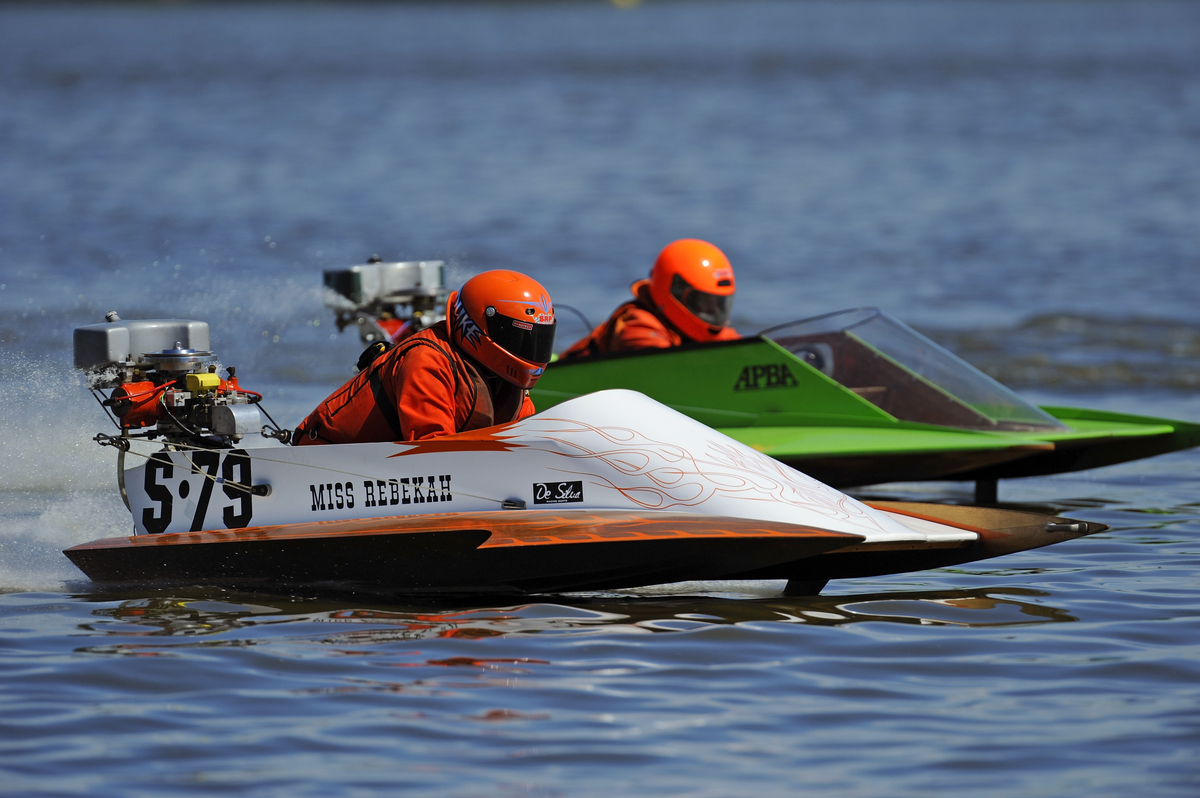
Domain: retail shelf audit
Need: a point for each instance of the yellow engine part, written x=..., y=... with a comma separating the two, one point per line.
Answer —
x=203, y=382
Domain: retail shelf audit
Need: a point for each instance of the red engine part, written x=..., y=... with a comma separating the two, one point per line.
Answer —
x=137, y=404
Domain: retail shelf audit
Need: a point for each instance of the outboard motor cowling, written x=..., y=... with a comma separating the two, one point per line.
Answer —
x=387, y=301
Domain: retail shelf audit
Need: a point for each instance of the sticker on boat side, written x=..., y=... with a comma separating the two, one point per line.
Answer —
x=557, y=492
x=774, y=375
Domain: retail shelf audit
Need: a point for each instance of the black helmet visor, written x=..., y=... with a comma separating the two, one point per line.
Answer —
x=713, y=309
x=526, y=340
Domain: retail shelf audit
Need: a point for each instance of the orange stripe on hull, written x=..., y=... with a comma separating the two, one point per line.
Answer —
x=508, y=529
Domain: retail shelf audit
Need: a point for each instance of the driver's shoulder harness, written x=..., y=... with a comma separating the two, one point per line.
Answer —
x=365, y=408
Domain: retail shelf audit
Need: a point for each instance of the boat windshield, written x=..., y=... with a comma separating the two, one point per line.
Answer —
x=904, y=373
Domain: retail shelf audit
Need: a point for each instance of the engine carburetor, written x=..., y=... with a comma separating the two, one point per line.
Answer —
x=164, y=382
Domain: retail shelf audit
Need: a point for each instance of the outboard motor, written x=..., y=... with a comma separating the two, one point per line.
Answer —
x=163, y=383
x=387, y=301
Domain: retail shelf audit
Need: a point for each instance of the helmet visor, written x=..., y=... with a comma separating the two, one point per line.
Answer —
x=526, y=340
x=712, y=309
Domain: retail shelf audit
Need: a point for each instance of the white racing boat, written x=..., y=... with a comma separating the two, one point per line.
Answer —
x=608, y=490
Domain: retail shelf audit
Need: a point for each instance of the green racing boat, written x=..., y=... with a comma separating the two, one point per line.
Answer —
x=857, y=397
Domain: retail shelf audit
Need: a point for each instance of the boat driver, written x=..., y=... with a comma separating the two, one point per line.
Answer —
x=470, y=371
x=687, y=299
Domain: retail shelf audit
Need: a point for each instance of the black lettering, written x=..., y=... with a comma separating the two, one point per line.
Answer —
x=446, y=496
x=395, y=486
x=158, y=493
x=369, y=487
x=431, y=494
x=349, y=495
x=238, y=460
x=318, y=497
x=776, y=375
x=418, y=486
x=341, y=497
x=208, y=461
x=405, y=499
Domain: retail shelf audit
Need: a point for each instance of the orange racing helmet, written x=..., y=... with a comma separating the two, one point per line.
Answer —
x=692, y=284
x=504, y=320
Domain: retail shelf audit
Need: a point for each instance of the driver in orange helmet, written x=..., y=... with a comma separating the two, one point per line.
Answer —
x=472, y=370
x=687, y=299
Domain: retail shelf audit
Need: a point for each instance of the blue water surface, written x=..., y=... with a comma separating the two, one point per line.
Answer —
x=1020, y=180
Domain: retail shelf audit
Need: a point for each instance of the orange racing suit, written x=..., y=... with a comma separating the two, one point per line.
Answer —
x=632, y=326
x=421, y=388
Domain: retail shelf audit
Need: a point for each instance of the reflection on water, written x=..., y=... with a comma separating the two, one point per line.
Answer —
x=183, y=617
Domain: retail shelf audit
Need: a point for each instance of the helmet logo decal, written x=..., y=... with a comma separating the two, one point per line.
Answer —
x=518, y=373
x=723, y=274
x=523, y=325
x=542, y=310
x=466, y=325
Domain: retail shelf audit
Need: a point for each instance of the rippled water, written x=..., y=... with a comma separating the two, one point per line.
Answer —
x=1019, y=180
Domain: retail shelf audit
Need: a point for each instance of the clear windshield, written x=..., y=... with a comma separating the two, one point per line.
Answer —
x=904, y=373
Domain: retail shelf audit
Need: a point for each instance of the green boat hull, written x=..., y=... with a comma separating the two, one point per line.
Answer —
x=760, y=393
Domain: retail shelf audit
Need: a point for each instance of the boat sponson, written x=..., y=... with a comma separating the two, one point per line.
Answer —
x=517, y=550
x=848, y=470
x=1001, y=531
